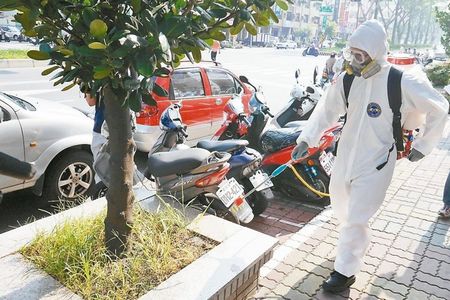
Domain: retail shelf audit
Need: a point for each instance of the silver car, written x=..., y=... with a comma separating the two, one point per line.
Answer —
x=55, y=138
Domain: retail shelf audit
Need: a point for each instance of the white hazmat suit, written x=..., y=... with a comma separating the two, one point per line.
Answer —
x=357, y=188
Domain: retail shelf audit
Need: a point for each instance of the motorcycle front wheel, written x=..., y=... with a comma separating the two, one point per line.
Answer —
x=258, y=201
x=293, y=188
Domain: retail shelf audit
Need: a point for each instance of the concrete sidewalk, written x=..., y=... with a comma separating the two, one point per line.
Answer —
x=408, y=258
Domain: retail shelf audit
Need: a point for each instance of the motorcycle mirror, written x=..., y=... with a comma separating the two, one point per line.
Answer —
x=297, y=73
x=315, y=74
x=244, y=79
x=310, y=90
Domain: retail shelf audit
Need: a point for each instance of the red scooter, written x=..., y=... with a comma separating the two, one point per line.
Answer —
x=277, y=144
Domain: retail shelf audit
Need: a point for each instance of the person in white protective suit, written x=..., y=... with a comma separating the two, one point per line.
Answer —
x=357, y=187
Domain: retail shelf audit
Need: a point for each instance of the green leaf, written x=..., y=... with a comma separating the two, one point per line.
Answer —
x=120, y=52
x=245, y=15
x=136, y=4
x=180, y=4
x=69, y=87
x=262, y=20
x=282, y=4
x=134, y=101
x=236, y=29
x=98, y=28
x=218, y=12
x=162, y=72
x=251, y=29
x=97, y=46
x=148, y=99
x=197, y=55
x=101, y=72
x=49, y=70
x=38, y=55
x=218, y=35
x=159, y=90
x=88, y=14
x=118, y=35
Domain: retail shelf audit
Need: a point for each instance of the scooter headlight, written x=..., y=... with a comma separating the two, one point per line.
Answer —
x=298, y=91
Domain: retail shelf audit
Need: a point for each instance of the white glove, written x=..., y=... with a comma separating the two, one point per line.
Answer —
x=299, y=151
x=415, y=155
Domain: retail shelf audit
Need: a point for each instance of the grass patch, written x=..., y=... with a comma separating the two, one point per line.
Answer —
x=13, y=54
x=74, y=254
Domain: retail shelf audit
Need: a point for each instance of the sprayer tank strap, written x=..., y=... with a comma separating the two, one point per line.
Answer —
x=394, y=90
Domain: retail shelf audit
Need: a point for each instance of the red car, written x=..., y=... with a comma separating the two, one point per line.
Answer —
x=203, y=90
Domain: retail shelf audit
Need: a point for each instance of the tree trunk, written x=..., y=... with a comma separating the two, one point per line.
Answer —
x=395, y=29
x=120, y=196
x=408, y=31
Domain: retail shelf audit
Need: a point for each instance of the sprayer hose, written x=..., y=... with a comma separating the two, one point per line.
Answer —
x=319, y=193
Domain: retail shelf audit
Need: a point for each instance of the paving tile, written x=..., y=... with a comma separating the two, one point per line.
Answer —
x=429, y=266
x=403, y=261
x=414, y=294
x=320, y=261
x=284, y=268
x=431, y=289
x=433, y=280
x=386, y=269
x=267, y=283
x=281, y=290
x=378, y=251
x=276, y=276
x=311, y=284
x=294, y=294
x=444, y=270
x=362, y=280
x=404, y=275
x=295, y=277
x=382, y=293
x=295, y=257
x=390, y=285
x=324, y=249
x=322, y=295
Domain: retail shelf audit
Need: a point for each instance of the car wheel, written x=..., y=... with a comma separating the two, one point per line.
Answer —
x=71, y=177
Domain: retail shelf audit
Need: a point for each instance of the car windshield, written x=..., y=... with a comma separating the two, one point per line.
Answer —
x=20, y=102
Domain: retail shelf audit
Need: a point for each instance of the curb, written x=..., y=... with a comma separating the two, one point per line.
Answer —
x=22, y=63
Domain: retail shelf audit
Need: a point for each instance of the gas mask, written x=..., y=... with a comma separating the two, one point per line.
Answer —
x=357, y=62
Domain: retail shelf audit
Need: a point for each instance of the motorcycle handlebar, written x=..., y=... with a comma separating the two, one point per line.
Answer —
x=266, y=110
x=11, y=166
x=183, y=132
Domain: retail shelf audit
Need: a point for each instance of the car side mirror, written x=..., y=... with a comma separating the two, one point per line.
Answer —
x=244, y=79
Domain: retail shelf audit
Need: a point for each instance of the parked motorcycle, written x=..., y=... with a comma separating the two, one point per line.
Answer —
x=278, y=143
x=244, y=162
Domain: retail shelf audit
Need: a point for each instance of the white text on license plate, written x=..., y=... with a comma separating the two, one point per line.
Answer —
x=229, y=190
x=261, y=181
x=327, y=160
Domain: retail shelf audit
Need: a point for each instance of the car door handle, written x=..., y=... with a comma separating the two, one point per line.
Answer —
x=218, y=101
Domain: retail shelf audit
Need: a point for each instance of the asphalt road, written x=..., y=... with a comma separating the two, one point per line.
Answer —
x=269, y=68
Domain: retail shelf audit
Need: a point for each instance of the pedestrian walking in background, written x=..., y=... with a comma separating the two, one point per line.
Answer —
x=215, y=48
x=445, y=211
x=329, y=66
x=97, y=138
x=366, y=154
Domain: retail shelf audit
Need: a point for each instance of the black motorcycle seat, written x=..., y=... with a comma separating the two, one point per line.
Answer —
x=222, y=146
x=176, y=162
x=276, y=139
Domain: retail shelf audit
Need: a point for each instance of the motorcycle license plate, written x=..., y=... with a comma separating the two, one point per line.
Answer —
x=327, y=160
x=261, y=181
x=229, y=190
